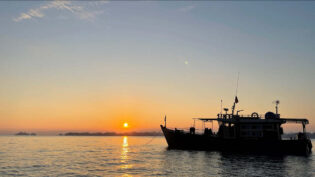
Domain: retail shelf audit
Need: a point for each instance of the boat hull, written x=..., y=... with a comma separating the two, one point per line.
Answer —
x=180, y=140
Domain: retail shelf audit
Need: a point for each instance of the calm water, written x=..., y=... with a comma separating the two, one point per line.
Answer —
x=134, y=156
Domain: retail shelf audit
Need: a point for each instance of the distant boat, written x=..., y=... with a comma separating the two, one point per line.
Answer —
x=238, y=133
x=25, y=134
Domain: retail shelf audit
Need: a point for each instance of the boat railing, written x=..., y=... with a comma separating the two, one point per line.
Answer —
x=199, y=131
x=249, y=115
x=229, y=116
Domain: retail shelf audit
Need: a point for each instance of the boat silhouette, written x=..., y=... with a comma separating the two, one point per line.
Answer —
x=237, y=133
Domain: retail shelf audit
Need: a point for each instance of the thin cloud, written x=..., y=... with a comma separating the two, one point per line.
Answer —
x=77, y=10
x=187, y=8
x=23, y=16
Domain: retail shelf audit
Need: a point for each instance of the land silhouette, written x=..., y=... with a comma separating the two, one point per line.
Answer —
x=112, y=134
x=25, y=134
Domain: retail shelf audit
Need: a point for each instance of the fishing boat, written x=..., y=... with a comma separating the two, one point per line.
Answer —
x=238, y=133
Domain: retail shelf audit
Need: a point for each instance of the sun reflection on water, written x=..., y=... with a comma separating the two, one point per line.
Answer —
x=124, y=154
x=125, y=143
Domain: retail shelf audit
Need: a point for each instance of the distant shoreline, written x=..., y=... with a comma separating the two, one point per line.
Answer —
x=285, y=135
x=112, y=134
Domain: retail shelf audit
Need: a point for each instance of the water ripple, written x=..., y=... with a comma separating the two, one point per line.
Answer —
x=130, y=156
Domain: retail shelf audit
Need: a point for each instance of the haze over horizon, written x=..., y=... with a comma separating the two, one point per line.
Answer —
x=93, y=66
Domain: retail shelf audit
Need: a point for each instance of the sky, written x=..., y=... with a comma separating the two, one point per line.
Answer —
x=93, y=65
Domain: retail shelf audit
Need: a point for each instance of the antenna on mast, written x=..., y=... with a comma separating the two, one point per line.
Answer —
x=221, y=107
x=236, y=99
x=238, y=77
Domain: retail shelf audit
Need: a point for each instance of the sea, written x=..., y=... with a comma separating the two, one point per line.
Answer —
x=134, y=156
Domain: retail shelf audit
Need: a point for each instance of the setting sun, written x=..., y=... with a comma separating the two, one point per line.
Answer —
x=125, y=125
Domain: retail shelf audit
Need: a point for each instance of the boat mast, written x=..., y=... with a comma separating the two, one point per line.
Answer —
x=277, y=102
x=236, y=100
x=165, y=121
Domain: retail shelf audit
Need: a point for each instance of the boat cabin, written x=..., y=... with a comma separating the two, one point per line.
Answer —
x=254, y=126
x=251, y=127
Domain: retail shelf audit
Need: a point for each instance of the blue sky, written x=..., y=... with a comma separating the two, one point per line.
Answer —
x=184, y=53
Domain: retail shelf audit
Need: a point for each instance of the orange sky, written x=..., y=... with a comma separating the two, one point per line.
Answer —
x=108, y=111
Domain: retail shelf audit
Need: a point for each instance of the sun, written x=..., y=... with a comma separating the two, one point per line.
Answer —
x=125, y=125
